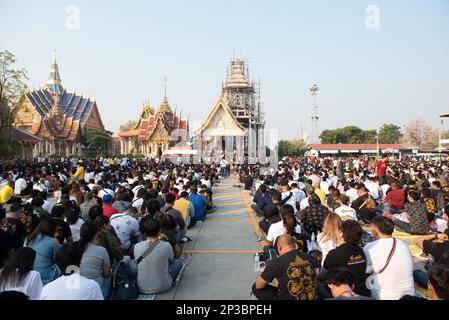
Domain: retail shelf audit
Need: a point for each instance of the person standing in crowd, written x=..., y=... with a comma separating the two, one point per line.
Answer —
x=389, y=262
x=14, y=225
x=18, y=274
x=382, y=166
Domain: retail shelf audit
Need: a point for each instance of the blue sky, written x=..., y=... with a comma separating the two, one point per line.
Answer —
x=123, y=50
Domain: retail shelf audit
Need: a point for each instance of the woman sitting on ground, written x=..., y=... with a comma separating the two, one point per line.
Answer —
x=329, y=239
x=18, y=274
x=95, y=263
x=43, y=242
x=107, y=240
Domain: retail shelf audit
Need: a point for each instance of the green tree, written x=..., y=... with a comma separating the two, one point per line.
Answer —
x=127, y=126
x=12, y=86
x=369, y=136
x=98, y=141
x=328, y=136
x=390, y=133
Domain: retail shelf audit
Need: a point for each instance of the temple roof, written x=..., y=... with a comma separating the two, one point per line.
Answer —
x=54, y=80
x=237, y=75
x=70, y=105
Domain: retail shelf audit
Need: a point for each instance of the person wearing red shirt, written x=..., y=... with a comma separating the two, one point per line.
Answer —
x=382, y=166
x=396, y=197
x=108, y=209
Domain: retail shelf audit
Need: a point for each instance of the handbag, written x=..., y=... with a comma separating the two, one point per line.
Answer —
x=393, y=249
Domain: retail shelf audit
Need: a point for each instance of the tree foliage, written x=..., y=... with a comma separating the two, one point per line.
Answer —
x=390, y=133
x=349, y=134
x=98, y=141
x=127, y=126
x=421, y=134
x=12, y=86
x=293, y=148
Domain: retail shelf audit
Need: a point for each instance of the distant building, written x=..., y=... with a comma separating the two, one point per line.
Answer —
x=57, y=118
x=157, y=133
x=234, y=128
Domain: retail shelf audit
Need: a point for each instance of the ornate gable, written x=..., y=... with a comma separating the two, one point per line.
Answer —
x=221, y=122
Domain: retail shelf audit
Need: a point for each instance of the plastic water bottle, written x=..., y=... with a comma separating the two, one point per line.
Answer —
x=256, y=262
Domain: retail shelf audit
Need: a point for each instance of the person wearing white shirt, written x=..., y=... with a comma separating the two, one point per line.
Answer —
x=298, y=194
x=373, y=188
x=391, y=261
x=352, y=193
x=20, y=186
x=18, y=275
x=126, y=226
x=329, y=239
x=345, y=212
x=288, y=196
x=71, y=285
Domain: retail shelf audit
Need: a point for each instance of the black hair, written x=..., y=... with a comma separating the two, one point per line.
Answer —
x=338, y=277
x=270, y=211
x=352, y=232
x=276, y=195
x=151, y=228
x=439, y=278
x=47, y=227
x=17, y=268
x=314, y=199
x=73, y=214
x=69, y=255
x=384, y=224
x=88, y=232
x=94, y=212
x=152, y=207
x=57, y=211
x=414, y=195
x=101, y=220
x=170, y=198
x=37, y=202
x=13, y=296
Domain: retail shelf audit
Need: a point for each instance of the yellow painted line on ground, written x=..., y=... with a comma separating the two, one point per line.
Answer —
x=222, y=251
x=253, y=219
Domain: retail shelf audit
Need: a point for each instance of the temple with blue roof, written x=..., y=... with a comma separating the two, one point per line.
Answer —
x=56, y=117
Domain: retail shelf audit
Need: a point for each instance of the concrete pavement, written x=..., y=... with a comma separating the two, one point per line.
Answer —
x=222, y=249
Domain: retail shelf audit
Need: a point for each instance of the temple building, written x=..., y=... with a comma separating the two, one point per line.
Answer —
x=157, y=133
x=234, y=128
x=56, y=118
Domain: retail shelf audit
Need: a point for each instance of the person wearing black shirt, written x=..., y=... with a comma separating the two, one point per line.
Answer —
x=6, y=241
x=350, y=255
x=63, y=231
x=294, y=272
x=14, y=226
x=361, y=207
x=247, y=181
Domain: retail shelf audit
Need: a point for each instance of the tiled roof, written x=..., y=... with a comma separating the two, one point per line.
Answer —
x=71, y=105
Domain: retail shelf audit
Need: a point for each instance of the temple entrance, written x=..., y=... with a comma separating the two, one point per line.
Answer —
x=159, y=150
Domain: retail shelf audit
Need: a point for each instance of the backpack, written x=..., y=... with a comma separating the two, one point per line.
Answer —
x=124, y=283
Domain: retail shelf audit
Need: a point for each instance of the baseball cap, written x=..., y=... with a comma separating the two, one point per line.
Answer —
x=107, y=198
